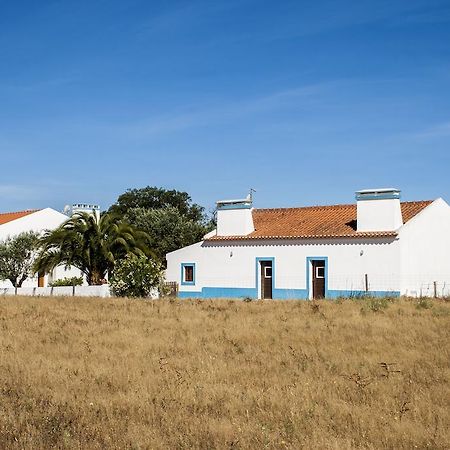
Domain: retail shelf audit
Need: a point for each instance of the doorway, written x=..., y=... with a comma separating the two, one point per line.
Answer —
x=318, y=278
x=266, y=279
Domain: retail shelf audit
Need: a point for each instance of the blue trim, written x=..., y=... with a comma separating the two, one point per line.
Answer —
x=187, y=283
x=187, y=294
x=239, y=293
x=309, y=260
x=279, y=294
x=289, y=294
x=220, y=292
x=381, y=196
x=258, y=271
x=234, y=206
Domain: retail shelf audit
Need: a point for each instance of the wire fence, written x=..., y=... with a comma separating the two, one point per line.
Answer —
x=339, y=284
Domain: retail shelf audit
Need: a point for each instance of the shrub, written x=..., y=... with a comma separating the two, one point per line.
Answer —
x=136, y=276
x=375, y=304
x=72, y=281
x=423, y=303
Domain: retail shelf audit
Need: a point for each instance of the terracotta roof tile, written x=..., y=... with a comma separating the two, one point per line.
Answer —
x=336, y=221
x=9, y=217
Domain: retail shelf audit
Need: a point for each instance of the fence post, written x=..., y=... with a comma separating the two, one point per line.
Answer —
x=435, y=288
x=366, y=281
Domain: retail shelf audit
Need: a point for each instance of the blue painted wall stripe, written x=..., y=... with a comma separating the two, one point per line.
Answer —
x=278, y=294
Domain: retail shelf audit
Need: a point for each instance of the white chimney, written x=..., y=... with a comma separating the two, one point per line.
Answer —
x=234, y=217
x=378, y=210
x=70, y=210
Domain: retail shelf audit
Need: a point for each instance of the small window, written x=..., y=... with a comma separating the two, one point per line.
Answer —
x=268, y=272
x=320, y=272
x=189, y=274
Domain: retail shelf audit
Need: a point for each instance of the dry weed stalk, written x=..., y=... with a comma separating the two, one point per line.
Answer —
x=403, y=409
x=388, y=369
x=359, y=380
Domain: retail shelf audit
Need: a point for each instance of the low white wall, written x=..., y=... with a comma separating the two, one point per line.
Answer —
x=61, y=291
x=67, y=291
x=57, y=273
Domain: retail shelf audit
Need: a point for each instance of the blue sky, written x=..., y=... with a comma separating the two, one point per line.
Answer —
x=304, y=101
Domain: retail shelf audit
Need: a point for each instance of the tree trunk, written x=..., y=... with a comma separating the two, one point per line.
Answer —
x=20, y=282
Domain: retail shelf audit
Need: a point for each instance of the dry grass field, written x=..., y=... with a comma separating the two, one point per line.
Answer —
x=130, y=374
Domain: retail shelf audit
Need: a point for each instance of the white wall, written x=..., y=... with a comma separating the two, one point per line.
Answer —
x=233, y=264
x=425, y=251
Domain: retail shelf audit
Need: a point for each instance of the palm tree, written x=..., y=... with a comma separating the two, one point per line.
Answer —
x=92, y=245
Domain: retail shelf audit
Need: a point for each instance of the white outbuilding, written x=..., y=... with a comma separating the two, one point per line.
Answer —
x=378, y=246
x=37, y=220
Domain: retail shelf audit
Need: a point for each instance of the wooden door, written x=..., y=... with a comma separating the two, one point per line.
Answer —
x=41, y=279
x=318, y=278
x=266, y=279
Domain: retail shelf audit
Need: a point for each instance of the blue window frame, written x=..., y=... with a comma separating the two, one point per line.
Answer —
x=188, y=274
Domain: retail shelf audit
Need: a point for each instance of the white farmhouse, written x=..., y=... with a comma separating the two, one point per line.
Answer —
x=378, y=246
x=38, y=220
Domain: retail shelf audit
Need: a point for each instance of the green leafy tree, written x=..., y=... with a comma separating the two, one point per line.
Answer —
x=158, y=198
x=93, y=246
x=167, y=228
x=169, y=217
x=136, y=276
x=17, y=255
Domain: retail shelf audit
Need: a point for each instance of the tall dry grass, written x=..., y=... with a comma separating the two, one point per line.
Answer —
x=96, y=373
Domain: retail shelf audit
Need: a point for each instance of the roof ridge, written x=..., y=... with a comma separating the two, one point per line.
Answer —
x=418, y=201
x=341, y=205
x=20, y=212
x=306, y=207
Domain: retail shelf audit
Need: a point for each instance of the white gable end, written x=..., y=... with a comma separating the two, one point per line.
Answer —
x=39, y=221
x=425, y=252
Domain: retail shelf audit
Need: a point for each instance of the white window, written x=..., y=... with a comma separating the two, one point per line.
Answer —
x=320, y=272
